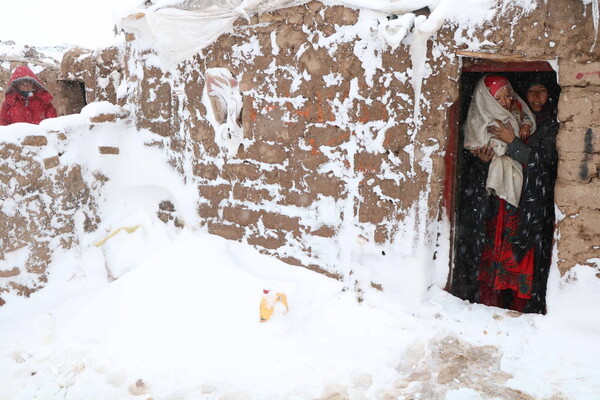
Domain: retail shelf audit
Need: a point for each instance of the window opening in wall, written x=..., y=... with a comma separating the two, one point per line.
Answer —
x=73, y=97
x=501, y=198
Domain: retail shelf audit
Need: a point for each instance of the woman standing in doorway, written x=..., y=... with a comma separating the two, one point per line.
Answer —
x=504, y=248
x=539, y=158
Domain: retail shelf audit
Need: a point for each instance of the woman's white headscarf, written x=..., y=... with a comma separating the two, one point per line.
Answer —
x=505, y=175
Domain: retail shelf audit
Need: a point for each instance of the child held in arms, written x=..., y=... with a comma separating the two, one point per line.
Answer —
x=496, y=116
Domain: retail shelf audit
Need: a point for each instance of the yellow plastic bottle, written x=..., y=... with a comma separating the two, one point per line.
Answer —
x=269, y=304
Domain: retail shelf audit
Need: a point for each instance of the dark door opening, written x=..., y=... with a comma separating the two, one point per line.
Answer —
x=72, y=96
x=460, y=201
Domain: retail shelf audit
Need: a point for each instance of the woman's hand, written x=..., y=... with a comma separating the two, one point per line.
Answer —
x=485, y=153
x=502, y=132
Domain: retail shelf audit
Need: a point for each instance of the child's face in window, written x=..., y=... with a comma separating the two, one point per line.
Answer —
x=504, y=97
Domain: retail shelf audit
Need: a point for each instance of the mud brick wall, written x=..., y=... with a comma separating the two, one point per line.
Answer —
x=328, y=126
x=578, y=186
x=100, y=72
x=40, y=200
x=321, y=134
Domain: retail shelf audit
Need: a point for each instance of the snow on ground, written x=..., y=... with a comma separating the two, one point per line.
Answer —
x=174, y=314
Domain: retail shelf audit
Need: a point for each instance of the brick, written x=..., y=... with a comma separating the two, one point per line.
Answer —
x=579, y=167
x=579, y=236
x=291, y=261
x=203, y=132
x=37, y=268
x=241, y=216
x=51, y=162
x=215, y=193
x=340, y=15
x=231, y=232
x=390, y=188
x=241, y=171
x=208, y=210
x=284, y=178
x=59, y=135
x=396, y=138
x=382, y=234
x=323, y=271
x=250, y=194
x=373, y=111
x=348, y=64
x=35, y=140
x=325, y=231
x=310, y=160
x=298, y=199
x=373, y=209
x=373, y=213
x=266, y=153
x=280, y=222
x=206, y=171
x=316, y=61
x=106, y=117
x=283, y=133
x=325, y=185
x=9, y=273
x=580, y=106
x=108, y=150
x=578, y=140
x=571, y=197
x=578, y=74
x=268, y=242
x=368, y=162
x=270, y=17
x=289, y=38
x=330, y=136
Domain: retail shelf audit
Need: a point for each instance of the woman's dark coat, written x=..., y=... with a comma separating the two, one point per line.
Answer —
x=536, y=226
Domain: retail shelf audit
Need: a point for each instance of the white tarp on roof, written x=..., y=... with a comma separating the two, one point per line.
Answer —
x=177, y=33
x=179, y=29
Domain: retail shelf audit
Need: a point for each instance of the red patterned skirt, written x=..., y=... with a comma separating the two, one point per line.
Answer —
x=499, y=270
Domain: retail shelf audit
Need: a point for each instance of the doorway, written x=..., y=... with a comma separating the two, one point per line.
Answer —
x=461, y=202
x=72, y=96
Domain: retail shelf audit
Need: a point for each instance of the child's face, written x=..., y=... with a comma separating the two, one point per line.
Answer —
x=504, y=97
x=537, y=96
x=26, y=86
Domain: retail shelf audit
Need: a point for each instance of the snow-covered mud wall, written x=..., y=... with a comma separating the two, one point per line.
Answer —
x=301, y=131
x=45, y=205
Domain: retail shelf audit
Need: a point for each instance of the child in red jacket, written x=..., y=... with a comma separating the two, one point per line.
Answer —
x=26, y=100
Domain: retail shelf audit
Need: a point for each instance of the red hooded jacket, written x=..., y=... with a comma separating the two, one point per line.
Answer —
x=33, y=109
